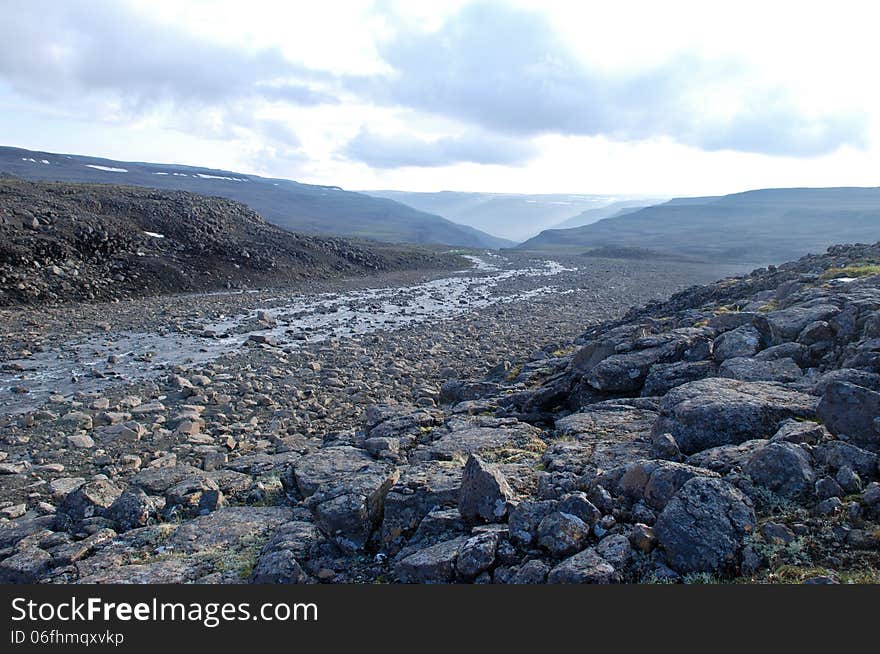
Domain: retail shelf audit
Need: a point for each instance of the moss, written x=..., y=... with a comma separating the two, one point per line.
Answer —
x=854, y=270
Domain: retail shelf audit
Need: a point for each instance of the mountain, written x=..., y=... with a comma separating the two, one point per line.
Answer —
x=297, y=207
x=513, y=216
x=68, y=242
x=762, y=226
x=608, y=211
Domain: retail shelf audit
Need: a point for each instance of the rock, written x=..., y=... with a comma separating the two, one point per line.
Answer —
x=782, y=467
x=132, y=509
x=485, y=493
x=752, y=370
x=420, y=488
x=531, y=572
x=278, y=567
x=801, y=431
x=127, y=432
x=725, y=458
x=25, y=567
x=81, y=441
x=431, y=565
x=847, y=409
x=563, y=534
x=643, y=538
x=663, y=377
x=578, y=505
x=616, y=549
x=849, y=480
x=229, y=530
x=76, y=420
x=744, y=341
x=192, y=497
x=656, y=482
x=346, y=489
x=61, y=487
x=716, y=411
x=626, y=373
x=156, y=480
x=585, y=567
x=91, y=499
x=777, y=534
x=663, y=446
x=787, y=324
x=836, y=454
x=703, y=526
x=525, y=518
x=476, y=555
x=827, y=488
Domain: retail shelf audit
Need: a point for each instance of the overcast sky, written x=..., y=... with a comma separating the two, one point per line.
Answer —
x=671, y=98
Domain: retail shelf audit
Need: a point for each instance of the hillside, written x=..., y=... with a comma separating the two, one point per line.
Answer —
x=608, y=211
x=65, y=242
x=288, y=204
x=763, y=226
x=510, y=215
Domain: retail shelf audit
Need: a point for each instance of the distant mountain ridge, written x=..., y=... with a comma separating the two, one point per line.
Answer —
x=760, y=226
x=294, y=206
x=510, y=215
x=608, y=211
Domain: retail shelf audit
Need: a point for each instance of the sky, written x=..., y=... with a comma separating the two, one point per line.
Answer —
x=655, y=98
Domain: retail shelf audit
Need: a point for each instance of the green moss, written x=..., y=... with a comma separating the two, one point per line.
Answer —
x=855, y=270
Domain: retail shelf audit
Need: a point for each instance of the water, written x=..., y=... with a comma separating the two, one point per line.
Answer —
x=81, y=365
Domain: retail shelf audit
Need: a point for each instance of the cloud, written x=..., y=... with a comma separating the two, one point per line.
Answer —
x=53, y=51
x=398, y=151
x=504, y=68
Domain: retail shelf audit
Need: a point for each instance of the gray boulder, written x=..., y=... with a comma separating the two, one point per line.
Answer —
x=782, y=467
x=744, y=341
x=562, y=534
x=718, y=411
x=850, y=410
x=703, y=526
x=777, y=370
x=485, y=493
x=431, y=565
x=586, y=567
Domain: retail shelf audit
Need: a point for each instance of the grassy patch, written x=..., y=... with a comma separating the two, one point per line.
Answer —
x=855, y=270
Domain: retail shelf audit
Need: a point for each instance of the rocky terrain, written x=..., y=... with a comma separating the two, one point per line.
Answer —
x=544, y=434
x=76, y=242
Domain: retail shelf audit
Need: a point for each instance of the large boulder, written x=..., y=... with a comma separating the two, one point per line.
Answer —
x=92, y=499
x=485, y=493
x=703, y=526
x=665, y=376
x=786, y=324
x=432, y=565
x=744, y=341
x=777, y=370
x=420, y=488
x=782, y=467
x=850, y=410
x=656, y=482
x=346, y=489
x=718, y=411
x=626, y=372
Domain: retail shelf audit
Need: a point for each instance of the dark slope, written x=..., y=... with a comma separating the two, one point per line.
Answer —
x=294, y=206
x=612, y=210
x=763, y=226
x=65, y=242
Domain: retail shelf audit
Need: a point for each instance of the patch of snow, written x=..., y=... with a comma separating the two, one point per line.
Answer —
x=154, y=234
x=109, y=169
x=44, y=161
x=230, y=179
x=160, y=173
x=29, y=159
x=180, y=174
